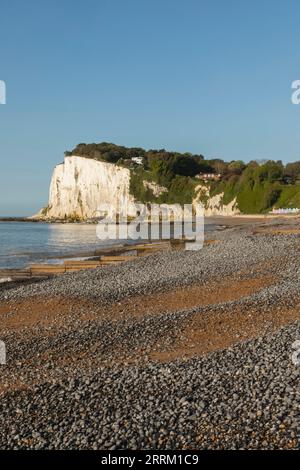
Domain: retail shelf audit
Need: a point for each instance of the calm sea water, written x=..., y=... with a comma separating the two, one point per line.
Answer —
x=22, y=243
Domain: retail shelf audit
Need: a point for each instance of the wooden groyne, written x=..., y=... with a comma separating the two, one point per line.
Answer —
x=110, y=256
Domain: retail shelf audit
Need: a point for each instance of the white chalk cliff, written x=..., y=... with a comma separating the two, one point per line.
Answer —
x=79, y=185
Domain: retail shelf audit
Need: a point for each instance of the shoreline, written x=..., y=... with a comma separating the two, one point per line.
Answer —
x=219, y=223
x=95, y=221
x=55, y=254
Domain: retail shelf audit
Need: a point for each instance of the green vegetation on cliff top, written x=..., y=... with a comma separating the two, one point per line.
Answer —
x=257, y=187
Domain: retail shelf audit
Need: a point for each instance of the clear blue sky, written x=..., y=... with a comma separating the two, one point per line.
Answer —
x=209, y=76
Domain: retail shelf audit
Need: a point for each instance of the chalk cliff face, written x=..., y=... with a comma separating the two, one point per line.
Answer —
x=79, y=185
x=213, y=206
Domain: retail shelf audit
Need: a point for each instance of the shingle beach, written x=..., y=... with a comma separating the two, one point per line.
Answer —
x=175, y=350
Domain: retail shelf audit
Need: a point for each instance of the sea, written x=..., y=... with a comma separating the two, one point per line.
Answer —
x=23, y=243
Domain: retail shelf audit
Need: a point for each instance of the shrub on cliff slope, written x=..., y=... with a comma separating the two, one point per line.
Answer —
x=106, y=152
x=257, y=189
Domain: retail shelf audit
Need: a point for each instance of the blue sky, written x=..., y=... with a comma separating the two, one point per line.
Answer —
x=205, y=76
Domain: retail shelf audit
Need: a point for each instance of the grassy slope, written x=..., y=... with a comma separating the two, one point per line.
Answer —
x=258, y=197
x=253, y=197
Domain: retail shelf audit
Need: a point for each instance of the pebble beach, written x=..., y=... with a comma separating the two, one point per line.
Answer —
x=175, y=350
